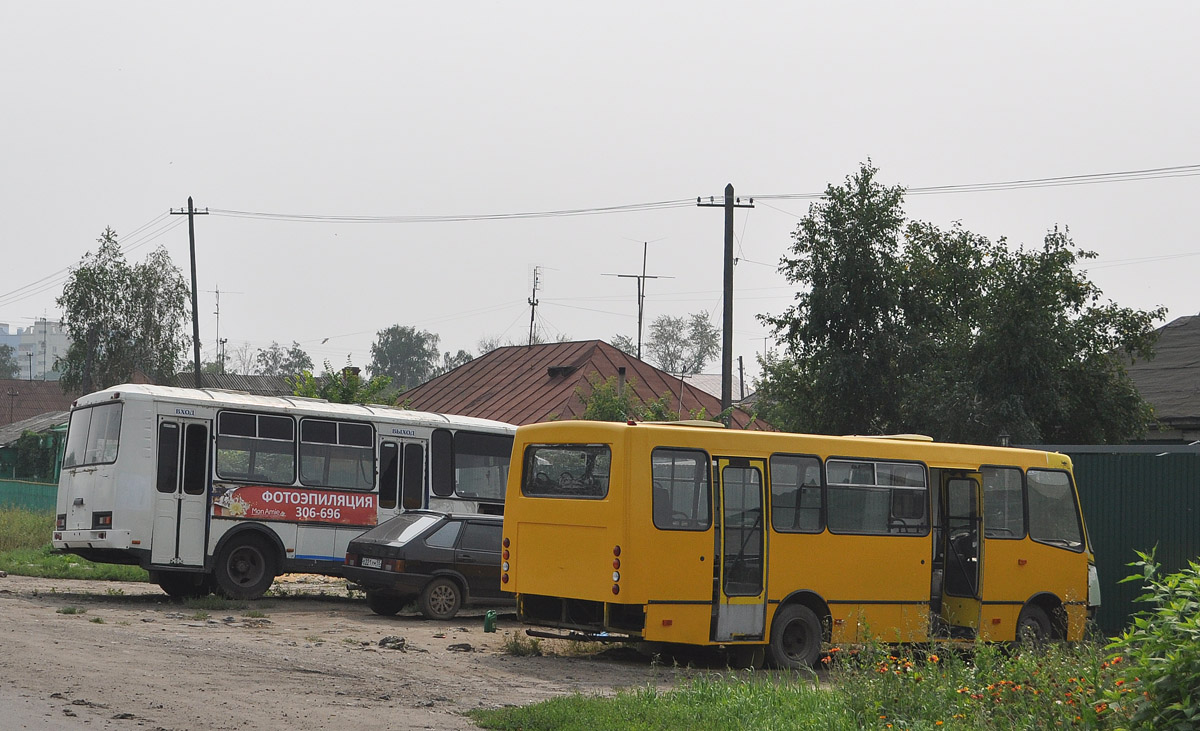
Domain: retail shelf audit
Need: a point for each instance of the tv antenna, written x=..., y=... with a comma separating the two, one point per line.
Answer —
x=641, y=291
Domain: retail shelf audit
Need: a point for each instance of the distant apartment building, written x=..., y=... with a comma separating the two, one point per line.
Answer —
x=36, y=348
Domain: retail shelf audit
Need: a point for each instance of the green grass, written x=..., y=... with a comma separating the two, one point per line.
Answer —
x=868, y=688
x=25, y=550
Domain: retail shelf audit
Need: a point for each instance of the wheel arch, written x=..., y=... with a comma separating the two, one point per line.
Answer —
x=812, y=600
x=245, y=530
x=457, y=578
x=1053, y=606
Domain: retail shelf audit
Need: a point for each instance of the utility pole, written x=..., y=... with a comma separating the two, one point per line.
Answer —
x=533, y=302
x=191, y=214
x=12, y=398
x=641, y=285
x=729, y=204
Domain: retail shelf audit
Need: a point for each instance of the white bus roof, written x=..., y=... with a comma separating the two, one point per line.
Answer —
x=296, y=404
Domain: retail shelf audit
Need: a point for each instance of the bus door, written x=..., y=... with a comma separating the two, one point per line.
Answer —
x=961, y=525
x=740, y=595
x=402, y=483
x=181, y=492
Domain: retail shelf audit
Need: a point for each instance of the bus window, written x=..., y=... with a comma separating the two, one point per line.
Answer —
x=566, y=470
x=741, y=490
x=877, y=497
x=337, y=454
x=1003, y=503
x=481, y=465
x=93, y=435
x=389, y=474
x=682, y=496
x=413, y=487
x=1053, y=516
x=796, y=494
x=256, y=447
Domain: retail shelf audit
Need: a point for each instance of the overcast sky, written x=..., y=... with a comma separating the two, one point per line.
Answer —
x=114, y=113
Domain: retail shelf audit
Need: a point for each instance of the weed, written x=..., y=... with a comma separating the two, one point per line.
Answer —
x=522, y=645
x=214, y=603
x=97, y=620
x=254, y=614
x=71, y=610
x=115, y=592
x=200, y=616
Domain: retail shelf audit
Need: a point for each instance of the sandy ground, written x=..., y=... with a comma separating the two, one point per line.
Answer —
x=108, y=655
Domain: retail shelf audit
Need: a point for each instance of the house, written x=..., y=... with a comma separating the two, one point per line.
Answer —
x=1171, y=382
x=528, y=384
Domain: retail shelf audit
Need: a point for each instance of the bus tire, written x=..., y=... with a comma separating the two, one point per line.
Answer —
x=245, y=568
x=1033, y=626
x=183, y=584
x=386, y=605
x=796, y=638
x=441, y=599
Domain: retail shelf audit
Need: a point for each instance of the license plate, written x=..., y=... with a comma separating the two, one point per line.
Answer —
x=372, y=563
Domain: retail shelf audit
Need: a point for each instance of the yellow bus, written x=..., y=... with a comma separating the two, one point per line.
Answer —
x=770, y=544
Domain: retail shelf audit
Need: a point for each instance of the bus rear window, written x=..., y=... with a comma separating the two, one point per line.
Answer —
x=566, y=470
x=93, y=436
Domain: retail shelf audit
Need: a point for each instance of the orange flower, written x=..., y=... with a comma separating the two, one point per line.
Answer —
x=934, y=659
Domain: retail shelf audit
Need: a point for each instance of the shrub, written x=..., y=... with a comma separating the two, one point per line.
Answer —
x=1159, y=655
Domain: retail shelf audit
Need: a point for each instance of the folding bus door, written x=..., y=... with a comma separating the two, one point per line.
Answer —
x=962, y=521
x=741, y=591
x=181, y=493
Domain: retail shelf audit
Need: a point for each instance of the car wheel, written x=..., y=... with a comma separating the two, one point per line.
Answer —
x=386, y=605
x=245, y=568
x=441, y=599
x=796, y=638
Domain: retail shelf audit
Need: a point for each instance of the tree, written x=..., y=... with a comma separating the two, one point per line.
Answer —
x=408, y=356
x=122, y=319
x=625, y=344
x=607, y=401
x=9, y=368
x=677, y=345
x=843, y=330
x=946, y=333
x=450, y=362
x=344, y=386
x=279, y=361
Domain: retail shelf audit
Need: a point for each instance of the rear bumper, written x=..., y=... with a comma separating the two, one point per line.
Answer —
x=69, y=540
x=387, y=581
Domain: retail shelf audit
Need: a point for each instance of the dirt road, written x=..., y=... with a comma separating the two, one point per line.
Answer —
x=104, y=655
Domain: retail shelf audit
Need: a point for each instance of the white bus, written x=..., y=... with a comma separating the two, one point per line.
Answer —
x=222, y=490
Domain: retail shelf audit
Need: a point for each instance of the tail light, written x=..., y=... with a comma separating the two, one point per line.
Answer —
x=101, y=520
x=60, y=523
x=351, y=559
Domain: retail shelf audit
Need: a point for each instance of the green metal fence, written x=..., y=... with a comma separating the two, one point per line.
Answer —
x=1137, y=500
x=37, y=496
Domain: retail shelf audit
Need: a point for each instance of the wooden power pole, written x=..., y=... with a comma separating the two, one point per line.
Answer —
x=728, y=204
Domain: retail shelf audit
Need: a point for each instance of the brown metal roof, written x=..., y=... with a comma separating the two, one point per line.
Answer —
x=528, y=384
x=20, y=400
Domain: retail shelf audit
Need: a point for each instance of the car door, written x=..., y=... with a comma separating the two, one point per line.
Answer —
x=477, y=557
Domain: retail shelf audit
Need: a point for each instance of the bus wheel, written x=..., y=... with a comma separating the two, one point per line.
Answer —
x=182, y=584
x=441, y=599
x=245, y=568
x=795, y=638
x=386, y=605
x=1033, y=626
